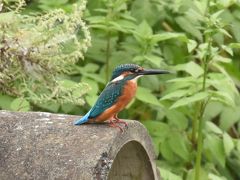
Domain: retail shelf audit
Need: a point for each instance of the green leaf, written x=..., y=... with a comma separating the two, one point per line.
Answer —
x=223, y=83
x=215, y=177
x=187, y=26
x=229, y=117
x=219, y=58
x=90, y=67
x=167, y=36
x=227, y=49
x=191, y=175
x=104, y=11
x=144, y=30
x=99, y=26
x=238, y=145
x=117, y=27
x=144, y=10
x=227, y=143
x=188, y=79
x=67, y=108
x=128, y=17
x=20, y=104
x=223, y=97
x=176, y=94
x=167, y=152
x=216, y=148
x=96, y=19
x=215, y=15
x=156, y=60
x=126, y=25
x=226, y=3
x=95, y=77
x=151, y=82
x=211, y=127
x=177, y=119
x=187, y=100
x=212, y=110
x=178, y=145
x=139, y=58
x=235, y=30
x=157, y=129
x=168, y=175
x=191, y=45
x=91, y=100
x=192, y=68
x=156, y=144
x=94, y=86
x=52, y=107
x=5, y=101
x=235, y=45
x=223, y=31
x=146, y=96
x=201, y=6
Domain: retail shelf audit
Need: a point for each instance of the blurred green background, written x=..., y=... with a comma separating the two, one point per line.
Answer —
x=57, y=56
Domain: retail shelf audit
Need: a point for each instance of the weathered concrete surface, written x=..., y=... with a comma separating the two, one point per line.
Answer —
x=46, y=146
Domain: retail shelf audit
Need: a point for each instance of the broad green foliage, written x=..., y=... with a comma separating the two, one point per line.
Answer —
x=190, y=113
x=197, y=40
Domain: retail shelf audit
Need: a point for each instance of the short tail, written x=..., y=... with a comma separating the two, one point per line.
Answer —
x=83, y=119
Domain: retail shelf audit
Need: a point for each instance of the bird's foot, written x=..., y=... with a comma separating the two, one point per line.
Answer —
x=122, y=122
x=113, y=124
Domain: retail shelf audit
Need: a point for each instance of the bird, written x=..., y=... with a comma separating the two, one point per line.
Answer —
x=117, y=94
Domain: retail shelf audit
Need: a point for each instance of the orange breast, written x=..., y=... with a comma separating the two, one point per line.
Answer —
x=129, y=92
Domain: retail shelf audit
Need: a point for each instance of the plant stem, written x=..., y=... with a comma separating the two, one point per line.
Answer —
x=108, y=54
x=201, y=110
x=194, y=126
x=199, y=145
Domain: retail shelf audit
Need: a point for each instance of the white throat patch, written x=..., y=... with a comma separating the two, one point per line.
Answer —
x=118, y=78
x=122, y=77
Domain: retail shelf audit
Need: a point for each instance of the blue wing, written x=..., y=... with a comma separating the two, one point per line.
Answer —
x=107, y=98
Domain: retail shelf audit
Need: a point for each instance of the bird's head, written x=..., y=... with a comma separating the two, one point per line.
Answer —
x=133, y=71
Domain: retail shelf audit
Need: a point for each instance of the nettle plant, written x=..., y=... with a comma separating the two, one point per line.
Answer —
x=206, y=82
x=37, y=52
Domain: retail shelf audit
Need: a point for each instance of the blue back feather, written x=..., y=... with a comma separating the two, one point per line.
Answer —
x=107, y=98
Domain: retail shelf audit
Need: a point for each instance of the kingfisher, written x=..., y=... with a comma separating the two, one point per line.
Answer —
x=117, y=94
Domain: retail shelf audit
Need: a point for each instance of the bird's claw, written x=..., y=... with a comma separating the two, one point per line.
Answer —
x=117, y=120
x=113, y=124
x=122, y=122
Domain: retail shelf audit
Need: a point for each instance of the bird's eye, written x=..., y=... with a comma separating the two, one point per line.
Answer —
x=134, y=70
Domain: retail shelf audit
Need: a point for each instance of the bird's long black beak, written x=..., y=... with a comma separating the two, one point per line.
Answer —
x=153, y=71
